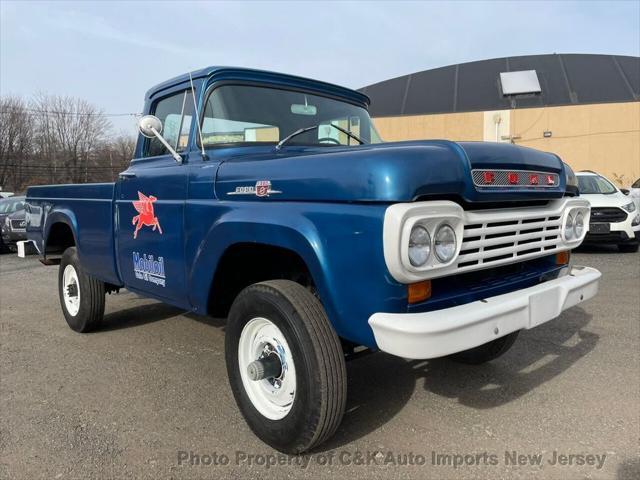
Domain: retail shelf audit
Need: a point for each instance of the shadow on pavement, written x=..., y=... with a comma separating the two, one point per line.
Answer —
x=539, y=355
x=207, y=320
x=136, y=316
x=380, y=385
x=598, y=248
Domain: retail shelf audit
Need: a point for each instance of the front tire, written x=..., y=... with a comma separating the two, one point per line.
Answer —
x=486, y=352
x=302, y=403
x=81, y=296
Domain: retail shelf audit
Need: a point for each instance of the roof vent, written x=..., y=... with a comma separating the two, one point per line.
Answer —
x=518, y=83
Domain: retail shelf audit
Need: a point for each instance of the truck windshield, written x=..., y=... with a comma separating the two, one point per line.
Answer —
x=590, y=184
x=246, y=114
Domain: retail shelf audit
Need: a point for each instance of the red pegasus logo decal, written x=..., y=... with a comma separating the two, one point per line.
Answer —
x=144, y=206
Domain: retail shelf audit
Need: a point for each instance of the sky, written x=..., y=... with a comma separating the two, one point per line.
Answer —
x=110, y=52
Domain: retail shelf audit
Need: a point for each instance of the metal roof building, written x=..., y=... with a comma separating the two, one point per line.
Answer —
x=564, y=80
x=586, y=108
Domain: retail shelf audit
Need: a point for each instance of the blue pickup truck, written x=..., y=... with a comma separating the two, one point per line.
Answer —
x=271, y=199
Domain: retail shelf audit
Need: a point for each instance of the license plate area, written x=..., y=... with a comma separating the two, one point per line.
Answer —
x=599, y=228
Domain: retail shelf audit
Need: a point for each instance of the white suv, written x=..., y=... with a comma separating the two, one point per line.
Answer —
x=634, y=192
x=614, y=216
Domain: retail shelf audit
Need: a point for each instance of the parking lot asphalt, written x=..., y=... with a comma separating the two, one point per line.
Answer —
x=147, y=396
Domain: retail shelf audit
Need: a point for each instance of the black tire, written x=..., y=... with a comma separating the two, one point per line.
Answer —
x=321, y=379
x=486, y=352
x=628, y=247
x=92, y=293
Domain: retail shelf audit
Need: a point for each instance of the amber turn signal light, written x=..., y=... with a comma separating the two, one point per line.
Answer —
x=562, y=258
x=419, y=292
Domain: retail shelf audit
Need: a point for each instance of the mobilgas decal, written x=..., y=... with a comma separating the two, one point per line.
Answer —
x=146, y=215
x=147, y=268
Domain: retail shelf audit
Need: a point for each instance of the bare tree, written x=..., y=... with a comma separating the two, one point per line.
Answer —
x=54, y=139
x=69, y=132
x=113, y=157
x=15, y=139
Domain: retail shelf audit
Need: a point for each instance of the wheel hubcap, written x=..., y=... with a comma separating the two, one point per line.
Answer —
x=71, y=290
x=266, y=368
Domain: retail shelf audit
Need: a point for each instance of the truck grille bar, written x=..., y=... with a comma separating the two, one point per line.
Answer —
x=487, y=242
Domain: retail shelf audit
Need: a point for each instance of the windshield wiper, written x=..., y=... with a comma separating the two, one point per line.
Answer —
x=286, y=139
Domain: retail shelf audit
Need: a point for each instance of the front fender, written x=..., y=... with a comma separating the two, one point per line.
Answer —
x=340, y=244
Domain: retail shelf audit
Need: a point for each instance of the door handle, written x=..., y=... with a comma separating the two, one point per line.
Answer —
x=126, y=175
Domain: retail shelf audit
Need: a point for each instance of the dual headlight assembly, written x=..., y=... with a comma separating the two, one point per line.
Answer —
x=423, y=240
x=573, y=226
x=421, y=245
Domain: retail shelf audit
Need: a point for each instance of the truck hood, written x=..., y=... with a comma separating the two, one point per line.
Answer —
x=387, y=172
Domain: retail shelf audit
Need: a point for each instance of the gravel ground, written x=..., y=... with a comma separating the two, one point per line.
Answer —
x=147, y=396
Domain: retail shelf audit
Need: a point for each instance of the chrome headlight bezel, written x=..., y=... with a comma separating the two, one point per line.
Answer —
x=569, y=234
x=417, y=229
x=567, y=228
x=578, y=223
x=444, y=228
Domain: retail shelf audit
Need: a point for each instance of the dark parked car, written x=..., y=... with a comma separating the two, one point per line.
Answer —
x=13, y=229
x=9, y=206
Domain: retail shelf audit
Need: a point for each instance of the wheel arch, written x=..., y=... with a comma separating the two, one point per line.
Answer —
x=60, y=232
x=226, y=239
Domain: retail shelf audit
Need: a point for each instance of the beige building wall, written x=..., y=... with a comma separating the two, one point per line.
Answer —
x=450, y=126
x=602, y=137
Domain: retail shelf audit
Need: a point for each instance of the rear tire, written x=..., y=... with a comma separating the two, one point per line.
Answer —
x=486, y=352
x=281, y=316
x=628, y=247
x=81, y=296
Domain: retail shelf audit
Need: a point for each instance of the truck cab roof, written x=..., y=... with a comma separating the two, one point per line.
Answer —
x=262, y=76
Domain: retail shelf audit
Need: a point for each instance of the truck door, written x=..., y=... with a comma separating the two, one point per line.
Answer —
x=150, y=205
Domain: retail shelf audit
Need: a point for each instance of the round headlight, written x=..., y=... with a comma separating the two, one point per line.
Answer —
x=419, y=246
x=445, y=243
x=568, y=227
x=578, y=225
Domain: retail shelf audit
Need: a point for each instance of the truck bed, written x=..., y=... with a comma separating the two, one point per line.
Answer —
x=89, y=209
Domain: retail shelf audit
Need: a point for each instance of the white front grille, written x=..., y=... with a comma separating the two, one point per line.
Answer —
x=489, y=237
x=495, y=240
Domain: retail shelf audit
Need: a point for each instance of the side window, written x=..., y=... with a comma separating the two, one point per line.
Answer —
x=176, y=113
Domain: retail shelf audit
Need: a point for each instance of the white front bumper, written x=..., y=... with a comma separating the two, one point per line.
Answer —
x=443, y=332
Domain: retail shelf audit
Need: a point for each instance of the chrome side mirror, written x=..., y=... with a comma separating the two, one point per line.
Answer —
x=150, y=126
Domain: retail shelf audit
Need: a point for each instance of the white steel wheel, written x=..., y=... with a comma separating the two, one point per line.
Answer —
x=286, y=365
x=71, y=290
x=272, y=396
x=81, y=295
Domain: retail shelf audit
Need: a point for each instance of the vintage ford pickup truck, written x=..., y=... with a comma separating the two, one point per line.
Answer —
x=270, y=199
